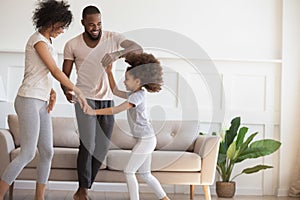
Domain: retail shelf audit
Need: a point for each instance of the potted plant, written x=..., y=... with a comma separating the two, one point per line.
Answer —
x=235, y=148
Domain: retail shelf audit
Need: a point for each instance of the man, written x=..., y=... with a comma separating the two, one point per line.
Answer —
x=91, y=51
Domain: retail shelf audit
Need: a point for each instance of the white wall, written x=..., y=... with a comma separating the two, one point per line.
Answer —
x=225, y=29
x=204, y=46
x=290, y=96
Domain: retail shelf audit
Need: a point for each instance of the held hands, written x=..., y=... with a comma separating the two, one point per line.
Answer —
x=109, y=58
x=90, y=111
x=77, y=96
x=80, y=98
x=70, y=95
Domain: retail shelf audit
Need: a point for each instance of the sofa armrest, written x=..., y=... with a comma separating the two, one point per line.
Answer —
x=6, y=146
x=208, y=148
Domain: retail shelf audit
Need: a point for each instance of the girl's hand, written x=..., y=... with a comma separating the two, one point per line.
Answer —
x=52, y=101
x=109, y=58
x=108, y=68
x=90, y=111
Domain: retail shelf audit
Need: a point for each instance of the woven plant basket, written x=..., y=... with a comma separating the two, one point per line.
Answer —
x=225, y=189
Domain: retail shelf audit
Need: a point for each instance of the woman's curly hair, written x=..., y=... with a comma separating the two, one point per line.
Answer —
x=146, y=68
x=50, y=12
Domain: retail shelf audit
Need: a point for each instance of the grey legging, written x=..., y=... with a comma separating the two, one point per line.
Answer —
x=35, y=131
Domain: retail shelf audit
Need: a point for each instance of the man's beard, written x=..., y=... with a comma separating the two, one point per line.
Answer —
x=94, y=38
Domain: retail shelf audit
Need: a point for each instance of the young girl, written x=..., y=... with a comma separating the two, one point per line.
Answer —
x=36, y=98
x=144, y=71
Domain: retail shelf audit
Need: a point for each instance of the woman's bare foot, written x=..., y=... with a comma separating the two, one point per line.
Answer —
x=165, y=198
x=39, y=191
x=3, y=188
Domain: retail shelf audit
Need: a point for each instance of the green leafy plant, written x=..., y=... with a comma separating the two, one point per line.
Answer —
x=236, y=147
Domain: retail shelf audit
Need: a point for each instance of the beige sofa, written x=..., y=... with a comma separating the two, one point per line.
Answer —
x=181, y=157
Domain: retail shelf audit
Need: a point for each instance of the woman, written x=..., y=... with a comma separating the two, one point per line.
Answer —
x=36, y=98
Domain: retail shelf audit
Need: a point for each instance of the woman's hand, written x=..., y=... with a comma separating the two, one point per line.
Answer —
x=80, y=98
x=52, y=101
x=82, y=101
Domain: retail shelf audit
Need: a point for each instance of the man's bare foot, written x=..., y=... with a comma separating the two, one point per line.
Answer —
x=76, y=196
x=81, y=194
x=84, y=197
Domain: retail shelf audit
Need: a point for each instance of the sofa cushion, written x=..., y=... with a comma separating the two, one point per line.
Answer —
x=176, y=135
x=161, y=160
x=171, y=135
x=64, y=131
x=13, y=126
x=63, y=158
x=121, y=136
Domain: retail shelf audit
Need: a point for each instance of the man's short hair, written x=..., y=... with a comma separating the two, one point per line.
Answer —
x=90, y=10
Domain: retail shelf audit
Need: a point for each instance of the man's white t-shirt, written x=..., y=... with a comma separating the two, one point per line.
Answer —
x=37, y=81
x=92, y=79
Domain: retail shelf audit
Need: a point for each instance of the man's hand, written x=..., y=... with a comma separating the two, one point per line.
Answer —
x=52, y=101
x=70, y=96
x=109, y=58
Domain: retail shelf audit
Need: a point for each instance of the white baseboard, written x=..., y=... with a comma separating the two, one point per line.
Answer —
x=283, y=192
x=24, y=184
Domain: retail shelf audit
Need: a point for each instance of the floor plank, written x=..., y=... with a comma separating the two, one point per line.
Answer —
x=22, y=194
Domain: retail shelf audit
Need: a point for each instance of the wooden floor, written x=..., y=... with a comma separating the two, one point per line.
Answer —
x=67, y=195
